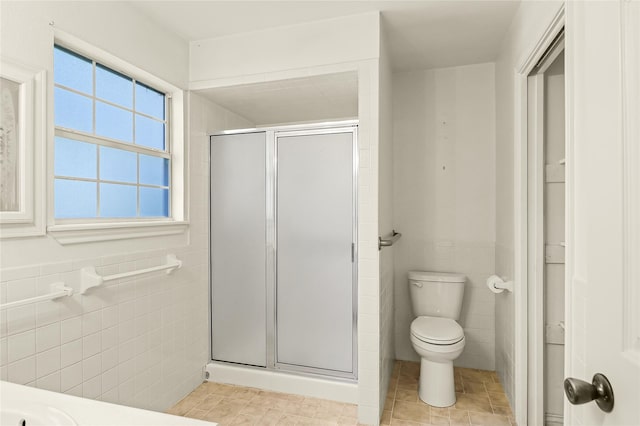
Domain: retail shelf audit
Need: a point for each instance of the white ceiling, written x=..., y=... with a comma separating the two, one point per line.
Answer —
x=322, y=98
x=421, y=33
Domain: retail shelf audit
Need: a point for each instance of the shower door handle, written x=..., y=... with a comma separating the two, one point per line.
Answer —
x=581, y=392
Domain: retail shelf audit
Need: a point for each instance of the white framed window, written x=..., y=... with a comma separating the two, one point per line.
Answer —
x=118, y=149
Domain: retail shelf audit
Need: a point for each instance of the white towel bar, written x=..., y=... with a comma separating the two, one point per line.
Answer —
x=57, y=290
x=90, y=277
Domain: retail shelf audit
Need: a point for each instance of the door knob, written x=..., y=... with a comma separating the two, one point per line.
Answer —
x=580, y=392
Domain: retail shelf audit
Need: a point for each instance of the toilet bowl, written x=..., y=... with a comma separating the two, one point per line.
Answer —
x=435, y=335
x=438, y=341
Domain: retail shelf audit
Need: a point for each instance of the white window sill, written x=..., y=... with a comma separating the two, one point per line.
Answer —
x=93, y=232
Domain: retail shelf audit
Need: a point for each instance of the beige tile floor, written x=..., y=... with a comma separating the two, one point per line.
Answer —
x=237, y=405
x=480, y=401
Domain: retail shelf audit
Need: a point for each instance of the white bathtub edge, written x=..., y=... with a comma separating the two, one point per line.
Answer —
x=87, y=411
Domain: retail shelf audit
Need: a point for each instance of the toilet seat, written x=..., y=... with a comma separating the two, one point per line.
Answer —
x=437, y=331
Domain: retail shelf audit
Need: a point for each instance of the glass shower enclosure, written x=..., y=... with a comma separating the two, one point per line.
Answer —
x=283, y=265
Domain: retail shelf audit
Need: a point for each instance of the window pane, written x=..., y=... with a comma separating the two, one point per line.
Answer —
x=118, y=200
x=73, y=111
x=118, y=165
x=74, y=199
x=114, y=87
x=75, y=159
x=154, y=170
x=154, y=202
x=72, y=70
x=113, y=122
x=149, y=101
x=149, y=132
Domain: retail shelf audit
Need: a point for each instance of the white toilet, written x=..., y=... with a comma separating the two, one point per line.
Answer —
x=436, y=299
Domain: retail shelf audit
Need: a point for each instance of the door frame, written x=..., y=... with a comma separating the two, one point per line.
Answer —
x=536, y=241
x=529, y=343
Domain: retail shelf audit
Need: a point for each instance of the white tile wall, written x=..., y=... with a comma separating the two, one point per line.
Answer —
x=385, y=221
x=89, y=345
x=142, y=341
x=368, y=261
x=505, y=324
x=444, y=195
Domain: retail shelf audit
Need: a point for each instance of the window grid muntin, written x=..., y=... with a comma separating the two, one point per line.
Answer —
x=99, y=140
x=115, y=182
x=133, y=110
x=98, y=180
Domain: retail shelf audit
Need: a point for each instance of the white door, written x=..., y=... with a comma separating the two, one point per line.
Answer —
x=603, y=335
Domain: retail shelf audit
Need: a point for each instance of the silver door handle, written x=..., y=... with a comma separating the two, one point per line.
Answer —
x=581, y=392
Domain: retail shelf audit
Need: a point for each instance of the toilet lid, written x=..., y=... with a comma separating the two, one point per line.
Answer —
x=439, y=331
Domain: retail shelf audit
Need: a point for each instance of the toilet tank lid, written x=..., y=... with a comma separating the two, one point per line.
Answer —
x=437, y=276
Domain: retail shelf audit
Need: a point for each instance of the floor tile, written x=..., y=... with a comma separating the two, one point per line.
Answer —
x=245, y=420
x=439, y=420
x=458, y=417
x=480, y=401
x=498, y=398
x=412, y=411
x=494, y=387
x=481, y=419
x=473, y=387
x=503, y=411
x=472, y=390
x=469, y=403
x=271, y=417
x=396, y=422
x=410, y=395
x=194, y=413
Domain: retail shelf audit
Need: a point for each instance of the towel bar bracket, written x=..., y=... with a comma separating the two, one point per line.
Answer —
x=388, y=242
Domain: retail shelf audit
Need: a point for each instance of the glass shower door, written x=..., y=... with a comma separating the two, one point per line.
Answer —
x=238, y=249
x=315, y=323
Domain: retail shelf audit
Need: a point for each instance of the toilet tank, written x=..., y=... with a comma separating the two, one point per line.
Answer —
x=436, y=294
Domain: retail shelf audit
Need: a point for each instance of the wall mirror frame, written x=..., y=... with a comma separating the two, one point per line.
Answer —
x=22, y=134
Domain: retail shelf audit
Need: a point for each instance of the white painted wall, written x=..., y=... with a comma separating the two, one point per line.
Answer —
x=139, y=342
x=444, y=195
x=27, y=34
x=526, y=29
x=314, y=44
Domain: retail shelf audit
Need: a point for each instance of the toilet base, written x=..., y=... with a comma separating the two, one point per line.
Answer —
x=437, y=387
